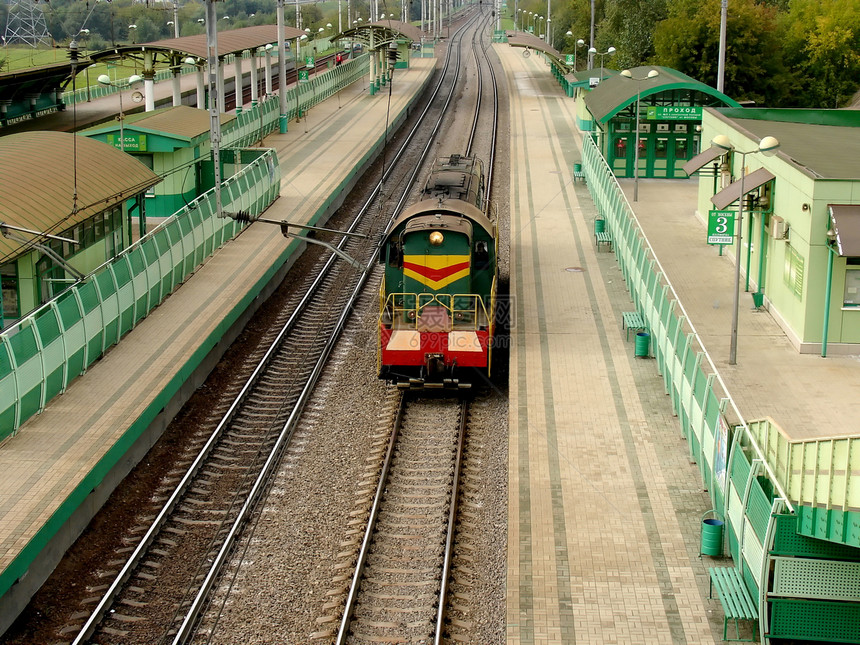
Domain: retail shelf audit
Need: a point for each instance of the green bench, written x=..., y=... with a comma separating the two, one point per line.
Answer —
x=737, y=603
x=578, y=174
x=604, y=237
x=632, y=320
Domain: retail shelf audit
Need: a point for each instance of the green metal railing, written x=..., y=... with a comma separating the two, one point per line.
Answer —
x=43, y=352
x=698, y=394
x=820, y=478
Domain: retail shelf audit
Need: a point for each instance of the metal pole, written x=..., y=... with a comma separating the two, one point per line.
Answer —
x=214, y=108
x=733, y=345
x=636, y=151
x=121, y=119
x=721, y=59
x=175, y=19
x=591, y=40
x=282, y=66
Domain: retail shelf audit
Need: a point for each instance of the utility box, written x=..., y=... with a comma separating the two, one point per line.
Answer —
x=777, y=227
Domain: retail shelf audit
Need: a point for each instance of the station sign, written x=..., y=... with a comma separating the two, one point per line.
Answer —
x=309, y=61
x=131, y=141
x=568, y=59
x=303, y=76
x=675, y=112
x=721, y=227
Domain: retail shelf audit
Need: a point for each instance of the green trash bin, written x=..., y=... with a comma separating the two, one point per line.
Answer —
x=577, y=167
x=643, y=340
x=599, y=225
x=712, y=536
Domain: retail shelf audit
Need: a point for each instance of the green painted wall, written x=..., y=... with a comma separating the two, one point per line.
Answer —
x=801, y=201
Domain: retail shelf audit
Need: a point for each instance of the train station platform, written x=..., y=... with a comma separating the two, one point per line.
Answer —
x=606, y=501
x=59, y=468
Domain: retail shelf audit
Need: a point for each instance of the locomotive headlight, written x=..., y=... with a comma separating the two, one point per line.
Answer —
x=436, y=238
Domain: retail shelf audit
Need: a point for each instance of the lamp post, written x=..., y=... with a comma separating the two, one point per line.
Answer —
x=579, y=43
x=767, y=146
x=540, y=29
x=132, y=33
x=104, y=79
x=518, y=19
x=592, y=51
x=626, y=74
x=548, y=32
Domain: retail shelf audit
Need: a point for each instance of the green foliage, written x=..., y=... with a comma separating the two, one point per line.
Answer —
x=628, y=26
x=822, y=47
x=688, y=40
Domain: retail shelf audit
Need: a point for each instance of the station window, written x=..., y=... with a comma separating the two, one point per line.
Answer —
x=681, y=149
x=621, y=148
x=851, y=299
x=661, y=148
x=9, y=278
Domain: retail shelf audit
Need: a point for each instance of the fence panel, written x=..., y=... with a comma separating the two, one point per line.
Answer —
x=41, y=354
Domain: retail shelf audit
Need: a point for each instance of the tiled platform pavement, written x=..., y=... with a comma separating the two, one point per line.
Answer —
x=604, y=505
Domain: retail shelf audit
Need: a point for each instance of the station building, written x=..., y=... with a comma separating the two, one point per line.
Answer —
x=74, y=188
x=800, y=234
x=669, y=106
x=174, y=143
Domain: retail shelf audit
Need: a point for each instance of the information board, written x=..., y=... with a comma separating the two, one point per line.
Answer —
x=721, y=227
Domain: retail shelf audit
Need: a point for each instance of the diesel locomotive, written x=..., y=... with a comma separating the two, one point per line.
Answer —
x=438, y=293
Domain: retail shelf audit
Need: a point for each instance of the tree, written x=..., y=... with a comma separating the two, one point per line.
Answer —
x=688, y=40
x=823, y=51
x=628, y=26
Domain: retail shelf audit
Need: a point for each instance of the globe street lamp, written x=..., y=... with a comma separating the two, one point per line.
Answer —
x=104, y=79
x=626, y=74
x=579, y=43
x=132, y=33
x=592, y=51
x=767, y=146
x=548, y=32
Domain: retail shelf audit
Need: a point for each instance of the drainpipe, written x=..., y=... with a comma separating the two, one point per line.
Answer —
x=749, y=249
x=831, y=236
x=761, y=254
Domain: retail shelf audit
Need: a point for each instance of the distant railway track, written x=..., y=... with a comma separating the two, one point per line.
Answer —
x=204, y=514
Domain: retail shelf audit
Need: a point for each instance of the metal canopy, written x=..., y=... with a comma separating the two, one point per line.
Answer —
x=845, y=219
x=530, y=41
x=702, y=159
x=233, y=41
x=732, y=192
x=384, y=32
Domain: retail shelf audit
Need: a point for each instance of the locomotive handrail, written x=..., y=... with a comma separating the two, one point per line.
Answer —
x=418, y=305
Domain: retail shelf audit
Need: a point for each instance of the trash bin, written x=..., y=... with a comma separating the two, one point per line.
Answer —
x=643, y=340
x=758, y=299
x=599, y=225
x=712, y=537
x=577, y=167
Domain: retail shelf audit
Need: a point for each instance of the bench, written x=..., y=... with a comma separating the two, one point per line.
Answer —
x=632, y=320
x=578, y=174
x=604, y=237
x=735, y=599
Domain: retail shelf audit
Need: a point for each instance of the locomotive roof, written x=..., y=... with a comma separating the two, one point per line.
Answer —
x=446, y=207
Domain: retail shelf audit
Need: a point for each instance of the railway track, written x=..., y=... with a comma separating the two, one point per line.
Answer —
x=151, y=599
x=398, y=591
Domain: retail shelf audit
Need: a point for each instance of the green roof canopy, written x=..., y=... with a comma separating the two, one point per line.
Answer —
x=617, y=92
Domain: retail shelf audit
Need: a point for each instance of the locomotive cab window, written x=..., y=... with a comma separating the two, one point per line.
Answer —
x=395, y=253
x=482, y=255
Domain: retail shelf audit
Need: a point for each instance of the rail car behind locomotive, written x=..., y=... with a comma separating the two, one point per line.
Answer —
x=438, y=293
